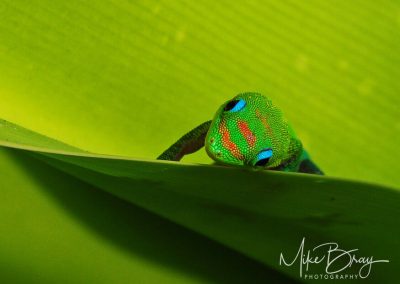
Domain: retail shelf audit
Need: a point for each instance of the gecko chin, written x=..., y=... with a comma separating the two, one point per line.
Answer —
x=213, y=152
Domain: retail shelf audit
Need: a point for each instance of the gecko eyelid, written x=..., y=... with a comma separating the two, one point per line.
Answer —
x=235, y=105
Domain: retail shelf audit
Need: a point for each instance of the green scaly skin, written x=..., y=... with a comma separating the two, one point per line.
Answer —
x=247, y=131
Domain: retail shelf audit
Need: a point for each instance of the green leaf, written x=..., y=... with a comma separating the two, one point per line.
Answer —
x=58, y=229
x=130, y=77
x=258, y=213
x=127, y=78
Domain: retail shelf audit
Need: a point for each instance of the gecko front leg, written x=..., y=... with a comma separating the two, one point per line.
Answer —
x=187, y=144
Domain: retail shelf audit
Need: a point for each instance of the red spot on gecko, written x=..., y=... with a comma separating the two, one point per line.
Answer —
x=264, y=122
x=247, y=133
x=227, y=143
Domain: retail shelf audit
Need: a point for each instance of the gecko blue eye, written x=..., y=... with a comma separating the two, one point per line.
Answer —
x=235, y=105
x=263, y=157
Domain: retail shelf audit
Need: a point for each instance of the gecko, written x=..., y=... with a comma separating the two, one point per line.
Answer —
x=249, y=131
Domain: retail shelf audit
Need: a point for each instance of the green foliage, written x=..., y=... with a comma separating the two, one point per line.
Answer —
x=127, y=78
x=258, y=213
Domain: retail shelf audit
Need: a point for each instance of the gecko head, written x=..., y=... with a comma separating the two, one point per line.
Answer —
x=246, y=130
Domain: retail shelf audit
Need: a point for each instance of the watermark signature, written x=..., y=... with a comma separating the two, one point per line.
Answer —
x=335, y=259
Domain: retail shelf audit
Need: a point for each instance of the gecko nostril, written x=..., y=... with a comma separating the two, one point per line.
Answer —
x=212, y=140
x=218, y=154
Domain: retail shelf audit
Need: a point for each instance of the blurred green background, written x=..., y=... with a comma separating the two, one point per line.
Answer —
x=130, y=77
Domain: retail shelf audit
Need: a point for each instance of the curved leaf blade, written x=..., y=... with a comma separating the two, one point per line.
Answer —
x=258, y=213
